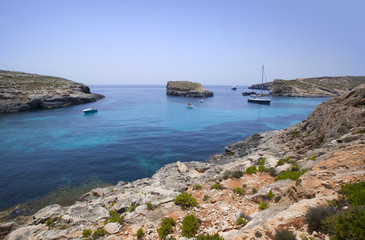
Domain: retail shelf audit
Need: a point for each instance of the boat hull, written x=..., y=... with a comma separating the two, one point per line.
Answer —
x=259, y=100
x=87, y=111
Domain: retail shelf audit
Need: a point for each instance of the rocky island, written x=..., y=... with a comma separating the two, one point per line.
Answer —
x=24, y=91
x=187, y=89
x=275, y=183
x=312, y=87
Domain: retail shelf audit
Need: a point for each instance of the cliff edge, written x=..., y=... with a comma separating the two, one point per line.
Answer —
x=24, y=91
x=187, y=89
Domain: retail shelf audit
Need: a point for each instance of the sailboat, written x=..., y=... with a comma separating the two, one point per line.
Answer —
x=260, y=99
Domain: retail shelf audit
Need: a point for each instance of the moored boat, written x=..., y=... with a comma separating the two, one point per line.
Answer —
x=90, y=110
x=234, y=87
x=189, y=105
x=261, y=100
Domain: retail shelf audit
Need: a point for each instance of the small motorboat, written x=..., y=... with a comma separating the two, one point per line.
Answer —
x=90, y=110
x=201, y=101
x=189, y=105
x=234, y=88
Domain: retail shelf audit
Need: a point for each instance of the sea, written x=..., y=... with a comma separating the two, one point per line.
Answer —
x=54, y=156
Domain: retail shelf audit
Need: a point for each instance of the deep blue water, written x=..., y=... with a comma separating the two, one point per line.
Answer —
x=137, y=130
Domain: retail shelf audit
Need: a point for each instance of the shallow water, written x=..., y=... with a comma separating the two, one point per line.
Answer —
x=137, y=130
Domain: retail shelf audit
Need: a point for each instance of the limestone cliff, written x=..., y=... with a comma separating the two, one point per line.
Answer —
x=325, y=151
x=315, y=87
x=187, y=89
x=24, y=91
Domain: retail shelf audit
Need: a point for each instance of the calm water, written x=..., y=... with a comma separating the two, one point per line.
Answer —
x=137, y=130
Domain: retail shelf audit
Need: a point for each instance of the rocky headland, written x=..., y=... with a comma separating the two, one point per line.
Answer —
x=264, y=183
x=24, y=91
x=312, y=87
x=187, y=89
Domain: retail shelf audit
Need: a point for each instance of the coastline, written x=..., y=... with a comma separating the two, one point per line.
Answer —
x=161, y=189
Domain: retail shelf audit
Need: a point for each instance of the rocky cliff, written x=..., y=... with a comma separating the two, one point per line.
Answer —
x=246, y=193
x=23, y=91
x=315, y=87
x=187, y=89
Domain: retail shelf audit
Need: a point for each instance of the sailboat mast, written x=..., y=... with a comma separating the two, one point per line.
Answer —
x=262, y=80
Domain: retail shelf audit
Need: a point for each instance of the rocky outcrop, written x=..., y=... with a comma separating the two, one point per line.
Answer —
x=187, y=89
x=338, y=159
x=23, y=91
x=265, y=86
x=315, y=87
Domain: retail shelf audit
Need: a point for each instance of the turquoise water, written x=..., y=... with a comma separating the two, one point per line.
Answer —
x=137, y=130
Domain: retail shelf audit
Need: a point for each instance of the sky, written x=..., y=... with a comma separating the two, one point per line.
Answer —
x=214, y=42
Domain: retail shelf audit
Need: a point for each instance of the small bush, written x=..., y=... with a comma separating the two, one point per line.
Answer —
x=294, y=168
x=140, y=233
x=346, y=225
x=272, y=172
x=149, y=206
x=205, y=198
x=258, y=234
x=166, y=227
x=261, y=168
x=315, y=215
x=270, y=195
x=132, y=208
x=280, y=162
x=241, y=221
x=289, y=175
x=63, y=227
x=263, y=205
x=189, y=226
x=254, y=190
x=313, y=158
x=86, y=233
x=114, y=217
x=237, y=174
x=251, y=170
x=284, y=234
x=277, y=198
x=217, y=186
x=226, y=175
x=98, y=233
x=355, y=193
x=209, y=237
x=50, y=223
x=185, y=200
x=197, y=186
x=261, y=161
x=238, y=191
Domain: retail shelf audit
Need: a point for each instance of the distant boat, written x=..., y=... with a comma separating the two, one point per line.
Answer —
x=90, y=110
x=234, y=88
x=189, y=105
x=201, y=101
x=260, y=99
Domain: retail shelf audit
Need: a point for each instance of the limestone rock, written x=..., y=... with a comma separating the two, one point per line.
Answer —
x=50, y=212
x=187, y=89
x=112, y=227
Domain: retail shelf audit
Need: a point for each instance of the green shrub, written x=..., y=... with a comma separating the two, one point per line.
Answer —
x=348, y=224
x=50, y=223
x=166, y=227
x=241, y=221
x=132, y=208
x=270, y=195
x=261, y=161
x=189, y=226
x=277, y=198
x=284, y=234
x=98, y=233
x=294, y=168
x=258, y=234
x=272, y=172
x=237, y=174
x=261, y=168
x=254, y=190
x=63, y=227
x=217, y=186
x=263, y=205
x=289, y=175
x=149, y=206
x=86, y=233
x=205, y=198
x=315, y=215
x=209, y=237
x=197, y=186
x=280, y=162
x=185, y=200
x=140, y=233
x=355, y=193
x=238, y=191
x=226, y=175
x=251, y=170
x=313, y=158
x=114, y=217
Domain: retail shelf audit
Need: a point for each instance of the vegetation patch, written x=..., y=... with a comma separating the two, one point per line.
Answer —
x=114, y=217
x=251, y=170
x=241, y=221
x=197, y=187
x=263, y=205
x=189, y=226
x=355, y=193
x=166, y=227
x=315, y=216
x=270, y=195
x=217, y=186
x=283, y=234
x=140, y=233
x=313, y=158
x=99, y=233
x=209, y=237
x=185, y=200
x=289, y=175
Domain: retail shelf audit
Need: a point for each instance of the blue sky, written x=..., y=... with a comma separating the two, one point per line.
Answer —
x=222, y=42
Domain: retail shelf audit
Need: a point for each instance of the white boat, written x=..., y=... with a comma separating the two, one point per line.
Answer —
x=201, y=101
x=260, y=99
x=90, y=110
x=189, y=105
x=234, y=87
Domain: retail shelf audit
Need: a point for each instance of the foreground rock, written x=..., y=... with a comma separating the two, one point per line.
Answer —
x=187, y=89
x=329, y=144
x=24, y=91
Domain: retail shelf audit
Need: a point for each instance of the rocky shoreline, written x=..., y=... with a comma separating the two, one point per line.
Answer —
x=327, y=149
x=24, y=91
